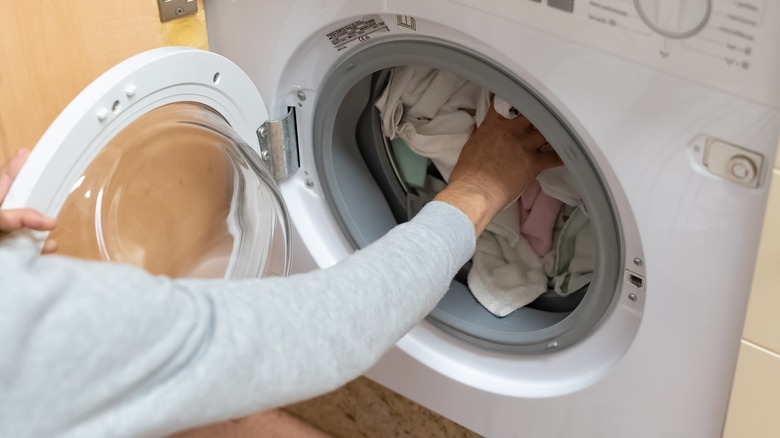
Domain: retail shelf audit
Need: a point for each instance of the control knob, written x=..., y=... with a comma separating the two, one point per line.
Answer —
x=674, y=18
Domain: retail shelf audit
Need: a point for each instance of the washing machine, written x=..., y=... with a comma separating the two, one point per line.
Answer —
x=665, y=112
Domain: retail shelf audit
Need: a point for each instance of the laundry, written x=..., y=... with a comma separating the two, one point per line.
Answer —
x=520, y=255
x=559, y=183
x=506, y=273
x=574, y=256
x=412, y=167
x=433, y=111
x=538, y=212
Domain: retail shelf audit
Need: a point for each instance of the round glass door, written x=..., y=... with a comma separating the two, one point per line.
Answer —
x=178, y=193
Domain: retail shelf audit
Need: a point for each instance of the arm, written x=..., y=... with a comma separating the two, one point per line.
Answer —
x=96, y=349
x=93, y=349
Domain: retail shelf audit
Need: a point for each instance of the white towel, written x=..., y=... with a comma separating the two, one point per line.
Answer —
x=506, y=273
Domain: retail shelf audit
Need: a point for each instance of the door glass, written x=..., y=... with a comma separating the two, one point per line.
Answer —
x=177, y=193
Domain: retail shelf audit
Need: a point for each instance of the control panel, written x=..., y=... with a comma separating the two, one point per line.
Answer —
x=732, y=45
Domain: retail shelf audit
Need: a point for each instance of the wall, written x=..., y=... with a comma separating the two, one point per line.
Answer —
x=51, y=49
x=755, y=397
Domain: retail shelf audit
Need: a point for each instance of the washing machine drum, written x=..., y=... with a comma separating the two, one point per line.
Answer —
x=369, y=195
x=144, y=168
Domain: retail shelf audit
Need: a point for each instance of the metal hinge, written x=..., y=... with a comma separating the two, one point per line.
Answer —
x=170, y=9
x=279, y=145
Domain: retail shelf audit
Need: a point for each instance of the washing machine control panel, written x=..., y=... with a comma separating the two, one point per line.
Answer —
x=731, y=45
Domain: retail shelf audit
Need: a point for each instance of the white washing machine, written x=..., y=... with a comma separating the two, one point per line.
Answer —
x=666, y=112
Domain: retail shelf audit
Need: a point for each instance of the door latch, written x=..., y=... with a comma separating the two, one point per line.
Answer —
x=732, y=162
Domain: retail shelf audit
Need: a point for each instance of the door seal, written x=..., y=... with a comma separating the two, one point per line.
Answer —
x=279, y=145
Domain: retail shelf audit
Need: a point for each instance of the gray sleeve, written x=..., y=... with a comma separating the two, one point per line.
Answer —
x=91, y=349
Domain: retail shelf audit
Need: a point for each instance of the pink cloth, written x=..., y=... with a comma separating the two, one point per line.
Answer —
x=538, y=212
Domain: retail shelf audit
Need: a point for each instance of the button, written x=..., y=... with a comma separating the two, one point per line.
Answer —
x=564, y=5
x=742, y=168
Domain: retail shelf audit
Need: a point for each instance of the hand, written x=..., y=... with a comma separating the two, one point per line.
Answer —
x=23, y=218
x=500, y=159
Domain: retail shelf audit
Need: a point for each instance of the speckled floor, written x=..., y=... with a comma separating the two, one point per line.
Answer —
x=364, y=408
x=361, y=408
x=271, y=424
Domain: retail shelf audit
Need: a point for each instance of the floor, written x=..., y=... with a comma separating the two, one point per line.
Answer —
x=361, y=408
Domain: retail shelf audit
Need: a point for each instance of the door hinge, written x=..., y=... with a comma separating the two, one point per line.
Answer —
x=279, y=145
x=170, y=9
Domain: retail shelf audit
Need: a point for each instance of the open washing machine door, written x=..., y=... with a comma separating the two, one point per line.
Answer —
x=157, y=163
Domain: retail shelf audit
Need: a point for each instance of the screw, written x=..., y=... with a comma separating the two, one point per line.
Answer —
x=309, y=183
x=179, y=11
x=301, y=95
x=261, y=131
x=638, y=261
x=266, y=155
x=632, y=297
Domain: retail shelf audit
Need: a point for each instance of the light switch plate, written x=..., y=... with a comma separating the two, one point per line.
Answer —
x=171, y=9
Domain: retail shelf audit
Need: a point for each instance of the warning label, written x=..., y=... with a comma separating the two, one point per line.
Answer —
x=356, y=32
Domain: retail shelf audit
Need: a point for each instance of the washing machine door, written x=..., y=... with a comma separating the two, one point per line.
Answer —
x=157, y=164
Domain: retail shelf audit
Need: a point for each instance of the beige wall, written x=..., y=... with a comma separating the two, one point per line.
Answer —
x=51, y=49
x=754, y=410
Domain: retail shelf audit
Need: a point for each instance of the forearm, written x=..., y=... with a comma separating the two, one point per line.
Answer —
x=111, y=347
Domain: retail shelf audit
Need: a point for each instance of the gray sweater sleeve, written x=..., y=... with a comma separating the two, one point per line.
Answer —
x=93, y=349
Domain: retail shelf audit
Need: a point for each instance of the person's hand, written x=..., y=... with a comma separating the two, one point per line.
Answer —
x=500, y=159
x=23, y=218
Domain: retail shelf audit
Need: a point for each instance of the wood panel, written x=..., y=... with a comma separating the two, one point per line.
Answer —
x=51, y=49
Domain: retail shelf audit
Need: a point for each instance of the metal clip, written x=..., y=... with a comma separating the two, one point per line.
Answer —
x=279, y=145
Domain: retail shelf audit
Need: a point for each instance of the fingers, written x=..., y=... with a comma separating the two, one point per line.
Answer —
x=24, y=218
x=12, y=167
x=548, y=159
x=534, y=140
x=9, y=170
x=49, y=247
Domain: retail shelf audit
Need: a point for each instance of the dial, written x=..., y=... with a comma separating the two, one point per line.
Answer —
x=674, y=18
